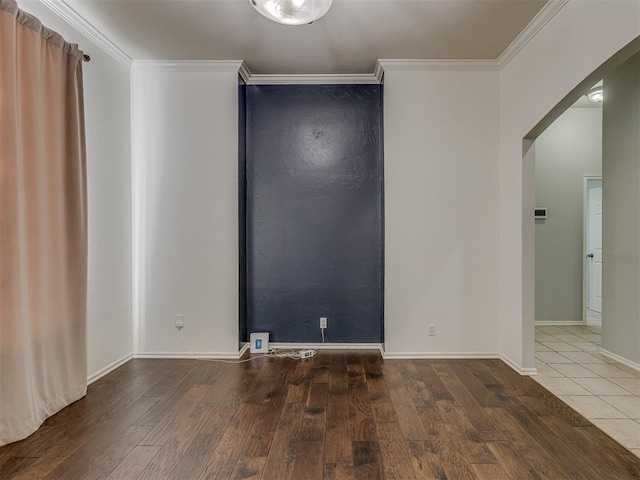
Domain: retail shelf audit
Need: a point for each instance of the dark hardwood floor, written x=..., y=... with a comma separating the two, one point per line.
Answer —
x=336, y=416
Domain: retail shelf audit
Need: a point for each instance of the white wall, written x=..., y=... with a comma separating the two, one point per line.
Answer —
x=185, y=195
x=106, y=93
x=578, y=39
x=621, y=215
x=565, y=152
x=441, y=211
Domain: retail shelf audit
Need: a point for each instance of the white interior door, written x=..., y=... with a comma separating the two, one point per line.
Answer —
x=594, y=244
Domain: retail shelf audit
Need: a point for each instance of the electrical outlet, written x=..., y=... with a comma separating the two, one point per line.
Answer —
x=432, y=330
x=179, y=318
x=323, y=322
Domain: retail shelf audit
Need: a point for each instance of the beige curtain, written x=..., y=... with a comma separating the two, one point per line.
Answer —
x=43, y=224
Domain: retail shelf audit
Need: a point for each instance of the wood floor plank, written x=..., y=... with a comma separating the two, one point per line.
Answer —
x=337, y=471
x=473, y=411
x=338, y=415
x=185, y=428
x=283, y=448
x=228, y=451
x=337, y=439
x=134, y=463
x=440, y=446
x=110, y=458
x=248, y=468
x=462, y=434
x=195, y=458
x=14, y=465
x=490, y=472
x=308, y=460
x=425, y=461
x=394, y=451
x=361, y=421
x=83, y=442
x=367, y=464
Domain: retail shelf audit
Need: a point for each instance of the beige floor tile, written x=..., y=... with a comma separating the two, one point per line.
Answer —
x=636, y=451
x=592, y=337
x=561, y=346
x=582, y=357
x=550, y=329
x=542, y=348
x=568, y=337
x=592, y=407
x=629, y=405
x=586, y=346
x=627, y=432
x=545, y=370
x=632, y=385
x=600, y=386
x=607, y=371
x=545, y=337
x=553, y=357
x=572, y=370
x=561, y=386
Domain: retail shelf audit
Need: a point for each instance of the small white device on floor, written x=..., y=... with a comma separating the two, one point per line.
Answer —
x=259, y=342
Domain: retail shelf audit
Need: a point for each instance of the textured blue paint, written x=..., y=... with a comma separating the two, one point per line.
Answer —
x=314, y=212
x=242, y=210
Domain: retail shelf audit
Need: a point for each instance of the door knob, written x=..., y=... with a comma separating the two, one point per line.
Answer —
x=590, y=255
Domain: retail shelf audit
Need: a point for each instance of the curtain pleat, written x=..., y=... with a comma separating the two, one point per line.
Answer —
x=43, y=224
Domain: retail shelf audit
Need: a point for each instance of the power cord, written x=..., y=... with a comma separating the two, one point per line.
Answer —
x=273, y=352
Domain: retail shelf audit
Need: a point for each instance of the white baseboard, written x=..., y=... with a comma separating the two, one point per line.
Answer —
x=558, y=322
x=526, y=372
x=462, y=356
x=622, y=360
x=328, y=346
x=191, y=355
x=108, y=369
x=439, y=355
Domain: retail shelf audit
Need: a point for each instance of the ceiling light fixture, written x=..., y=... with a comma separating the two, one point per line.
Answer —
x=595, y=94
x=292, y=12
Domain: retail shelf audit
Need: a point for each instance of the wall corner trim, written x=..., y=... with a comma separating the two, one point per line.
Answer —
x=545, y=14
x=69, y=15
x=108, y=369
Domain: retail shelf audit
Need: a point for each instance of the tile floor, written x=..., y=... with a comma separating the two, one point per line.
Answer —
x=601, y=389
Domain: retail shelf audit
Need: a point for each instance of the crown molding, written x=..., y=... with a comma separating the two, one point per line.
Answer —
x=192, y=65
x=66, y=13
x=531, y=30
x=418, y=65
x=244, y=72
x=313, y=79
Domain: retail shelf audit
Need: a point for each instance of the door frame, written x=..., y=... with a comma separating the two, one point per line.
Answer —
x=585, y=213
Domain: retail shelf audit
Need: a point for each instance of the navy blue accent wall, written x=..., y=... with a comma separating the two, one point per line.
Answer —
x=242, y=210
x=314, y=212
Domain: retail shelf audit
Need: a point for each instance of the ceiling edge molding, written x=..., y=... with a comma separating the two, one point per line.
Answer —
x=418, y=65
x=244, y=72
x=545, y=14
x=66, y=13
x=191, y=65
x=313, y=79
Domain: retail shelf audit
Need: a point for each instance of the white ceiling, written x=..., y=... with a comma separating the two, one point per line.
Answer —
x=348, y=39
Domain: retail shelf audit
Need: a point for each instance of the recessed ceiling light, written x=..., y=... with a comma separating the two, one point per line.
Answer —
x=292, y=12
x=595, y=94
